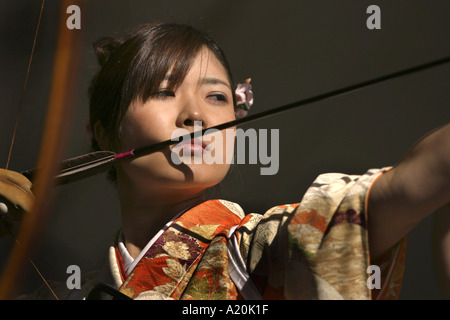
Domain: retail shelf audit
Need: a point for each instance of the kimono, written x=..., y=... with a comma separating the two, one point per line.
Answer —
x=314, y=249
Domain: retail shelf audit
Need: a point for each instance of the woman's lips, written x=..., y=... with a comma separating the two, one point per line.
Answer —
x=192, y=147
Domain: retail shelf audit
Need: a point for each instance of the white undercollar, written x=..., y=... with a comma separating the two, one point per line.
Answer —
x=128, y=262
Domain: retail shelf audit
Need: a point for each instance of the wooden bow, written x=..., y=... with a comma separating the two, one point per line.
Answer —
x=52, y=147
x=55, y=132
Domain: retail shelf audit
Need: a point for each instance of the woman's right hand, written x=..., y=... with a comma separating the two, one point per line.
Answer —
x=16, y=198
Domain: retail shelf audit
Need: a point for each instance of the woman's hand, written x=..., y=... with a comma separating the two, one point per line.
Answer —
x=16, y=198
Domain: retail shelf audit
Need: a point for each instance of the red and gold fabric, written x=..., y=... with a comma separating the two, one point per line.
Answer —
x=315, y=249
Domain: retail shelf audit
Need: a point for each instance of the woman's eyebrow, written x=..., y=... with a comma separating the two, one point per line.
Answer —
x=212, y=80
x=205, y=80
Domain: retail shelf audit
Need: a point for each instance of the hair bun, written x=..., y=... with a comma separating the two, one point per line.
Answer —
x=105, y=47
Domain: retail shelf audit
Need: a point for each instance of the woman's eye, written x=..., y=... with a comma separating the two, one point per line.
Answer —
x=163, y=94
x=218, y=98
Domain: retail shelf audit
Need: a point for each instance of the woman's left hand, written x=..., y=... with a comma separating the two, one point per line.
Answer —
x=16, y=198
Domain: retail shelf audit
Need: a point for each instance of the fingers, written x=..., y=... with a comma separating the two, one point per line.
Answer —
x=16, y=188
x=16, y=198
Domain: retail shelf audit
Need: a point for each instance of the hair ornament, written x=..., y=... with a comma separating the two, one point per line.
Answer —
x=244, y=98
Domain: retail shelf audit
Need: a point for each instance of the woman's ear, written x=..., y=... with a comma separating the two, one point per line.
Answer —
x=101, y=136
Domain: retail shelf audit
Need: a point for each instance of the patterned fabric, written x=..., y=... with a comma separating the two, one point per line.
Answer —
x=315, y=249
x=189, y=259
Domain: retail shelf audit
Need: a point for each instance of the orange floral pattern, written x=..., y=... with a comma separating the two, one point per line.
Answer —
x=193, y=243
x=315, y=249
x=311, y=218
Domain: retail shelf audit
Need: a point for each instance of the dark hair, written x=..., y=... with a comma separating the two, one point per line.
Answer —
x=133, y=67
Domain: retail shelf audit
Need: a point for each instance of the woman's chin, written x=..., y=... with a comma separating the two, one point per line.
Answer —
x=202, y=174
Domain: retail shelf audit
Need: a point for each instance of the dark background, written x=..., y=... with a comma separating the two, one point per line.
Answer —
x=292, y=50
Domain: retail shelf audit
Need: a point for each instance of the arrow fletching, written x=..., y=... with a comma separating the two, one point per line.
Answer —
x=80, y=167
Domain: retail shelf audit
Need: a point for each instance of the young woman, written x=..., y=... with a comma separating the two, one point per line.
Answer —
x=344, y=240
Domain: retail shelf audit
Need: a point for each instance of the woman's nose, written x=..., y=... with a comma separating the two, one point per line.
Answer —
x=192, y=114
x=189, y=122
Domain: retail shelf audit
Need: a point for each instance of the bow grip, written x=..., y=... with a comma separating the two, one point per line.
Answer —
x=16, y=197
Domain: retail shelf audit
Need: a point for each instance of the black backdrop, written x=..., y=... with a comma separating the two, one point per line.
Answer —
x=292, y=50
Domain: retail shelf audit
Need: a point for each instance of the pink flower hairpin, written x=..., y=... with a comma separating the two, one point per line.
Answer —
x=244, y=98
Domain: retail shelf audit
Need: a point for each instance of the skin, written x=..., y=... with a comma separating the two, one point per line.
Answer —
x=152, y=189
x=416, y=187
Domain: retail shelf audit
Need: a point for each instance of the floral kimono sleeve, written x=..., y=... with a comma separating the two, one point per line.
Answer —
x=318, y=249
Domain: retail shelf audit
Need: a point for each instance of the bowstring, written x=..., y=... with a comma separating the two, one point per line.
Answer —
x=8, y=229
x=14, y=136
x=25, y=86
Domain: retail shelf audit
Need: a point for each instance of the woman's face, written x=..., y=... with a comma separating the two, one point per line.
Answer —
x=202, y=100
